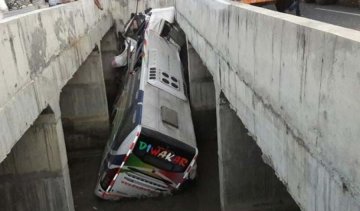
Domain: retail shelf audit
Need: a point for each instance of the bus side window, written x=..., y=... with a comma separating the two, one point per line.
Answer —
x=126, y=126
x=128, y=112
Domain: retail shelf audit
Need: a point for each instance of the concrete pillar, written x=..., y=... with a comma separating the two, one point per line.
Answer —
x=202, y=100
x=201, y=84
x=35, y=175
x=246, y=182
x=84, y=106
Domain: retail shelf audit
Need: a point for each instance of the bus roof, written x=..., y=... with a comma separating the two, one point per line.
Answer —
x=165, y=106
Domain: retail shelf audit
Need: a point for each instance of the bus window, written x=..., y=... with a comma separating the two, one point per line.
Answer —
x=127, y=126
x=108, y=177
x=163, y=154
x=123, y=122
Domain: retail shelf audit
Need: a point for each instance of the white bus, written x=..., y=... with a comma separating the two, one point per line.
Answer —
x=152, y=148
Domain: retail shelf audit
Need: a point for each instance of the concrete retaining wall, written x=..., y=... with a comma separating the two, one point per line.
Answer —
x=35, y=175
x=293, y=82
x=40, y=52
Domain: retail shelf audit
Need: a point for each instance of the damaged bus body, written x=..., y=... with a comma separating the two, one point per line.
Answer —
x=152, y=148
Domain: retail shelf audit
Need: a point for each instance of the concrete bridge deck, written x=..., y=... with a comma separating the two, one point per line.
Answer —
x=290, y=81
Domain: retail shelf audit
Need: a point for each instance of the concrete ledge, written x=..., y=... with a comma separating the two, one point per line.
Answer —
x=294, y=83
x=40, y=52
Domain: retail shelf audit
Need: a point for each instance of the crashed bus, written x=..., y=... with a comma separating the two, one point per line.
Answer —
x=152, y=149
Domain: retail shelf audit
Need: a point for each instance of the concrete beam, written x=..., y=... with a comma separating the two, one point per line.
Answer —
x=40, y=52
x=292, y=81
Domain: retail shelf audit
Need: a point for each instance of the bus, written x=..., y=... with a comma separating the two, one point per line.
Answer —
x=152, y=148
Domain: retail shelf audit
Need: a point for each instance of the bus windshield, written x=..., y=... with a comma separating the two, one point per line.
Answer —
x=163, y=152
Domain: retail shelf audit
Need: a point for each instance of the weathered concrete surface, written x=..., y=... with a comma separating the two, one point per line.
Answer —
x=122, y=9
x=83, y=104
x=293, y=82
x=35, y=175
x=40, y=52
x=246, y=182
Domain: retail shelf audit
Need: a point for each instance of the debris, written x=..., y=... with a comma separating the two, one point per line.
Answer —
x=17, y=4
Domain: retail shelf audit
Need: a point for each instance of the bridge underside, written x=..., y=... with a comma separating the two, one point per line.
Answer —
x=276, y=101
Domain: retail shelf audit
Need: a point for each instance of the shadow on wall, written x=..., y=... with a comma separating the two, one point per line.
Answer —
x=246, y=182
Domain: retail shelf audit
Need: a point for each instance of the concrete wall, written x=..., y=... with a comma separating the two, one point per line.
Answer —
x=246, y=182
x=35, y=175
x=293, y=82
x=84, y=108
x=201, y=84
x=40, y=52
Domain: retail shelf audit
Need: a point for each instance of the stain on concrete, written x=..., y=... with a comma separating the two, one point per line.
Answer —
x=11, y=40
x=40, y=21
x=301, y=48
x=325, y=115
x=59, y=30
x=72, y=28
x=37, y=58
x=123, y=3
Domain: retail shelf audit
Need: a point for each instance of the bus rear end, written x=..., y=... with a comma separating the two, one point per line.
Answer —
x=155, y=165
